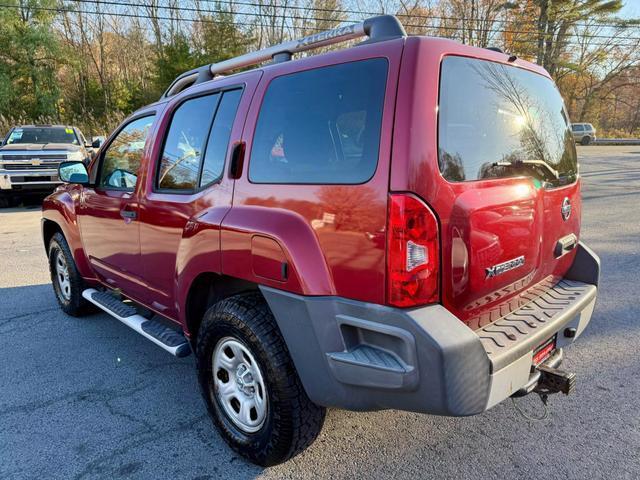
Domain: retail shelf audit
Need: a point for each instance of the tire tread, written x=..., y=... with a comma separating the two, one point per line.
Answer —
x=77, y=306
x=305, y=419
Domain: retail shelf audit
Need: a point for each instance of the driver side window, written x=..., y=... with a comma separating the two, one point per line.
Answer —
x=121, y=160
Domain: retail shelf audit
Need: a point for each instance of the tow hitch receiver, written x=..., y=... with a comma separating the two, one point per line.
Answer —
x=553, y=380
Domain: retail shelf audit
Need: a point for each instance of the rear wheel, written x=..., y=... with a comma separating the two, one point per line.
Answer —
x=585, y=141
x=67, y=282
x=250, y=384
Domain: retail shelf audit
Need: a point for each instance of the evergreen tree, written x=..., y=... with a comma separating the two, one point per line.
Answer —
x=29, y=58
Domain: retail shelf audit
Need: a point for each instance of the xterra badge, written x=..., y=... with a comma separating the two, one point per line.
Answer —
x=504, y=267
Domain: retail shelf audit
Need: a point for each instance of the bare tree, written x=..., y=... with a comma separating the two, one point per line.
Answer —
x=599, y=65
x=474, y=22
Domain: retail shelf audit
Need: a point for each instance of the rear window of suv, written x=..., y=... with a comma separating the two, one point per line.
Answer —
x=499, y=121
x=321, y=126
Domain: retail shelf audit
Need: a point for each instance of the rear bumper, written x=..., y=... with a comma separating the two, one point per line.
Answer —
x=362, y=356
x=28, y=179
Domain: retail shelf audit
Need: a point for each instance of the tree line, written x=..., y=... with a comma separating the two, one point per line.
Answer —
x=92, y=62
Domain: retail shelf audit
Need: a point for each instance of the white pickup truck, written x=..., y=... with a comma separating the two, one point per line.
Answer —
x=30, y=154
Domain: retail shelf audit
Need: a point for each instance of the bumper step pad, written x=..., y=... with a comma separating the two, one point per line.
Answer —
x=521, y=330
x=166, y=337
x=369, y=356
x=368, y=366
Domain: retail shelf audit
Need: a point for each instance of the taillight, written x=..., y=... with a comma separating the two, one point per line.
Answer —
x=412, y=252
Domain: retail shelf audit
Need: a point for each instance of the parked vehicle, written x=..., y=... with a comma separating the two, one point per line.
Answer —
x=30, y=155
x=390, y=226
x=584, y=133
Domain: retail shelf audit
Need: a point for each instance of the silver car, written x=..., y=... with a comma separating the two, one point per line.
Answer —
x=584, y=133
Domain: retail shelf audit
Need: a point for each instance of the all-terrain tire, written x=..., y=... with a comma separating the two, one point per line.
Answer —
x=292, y=420
x=71, y=301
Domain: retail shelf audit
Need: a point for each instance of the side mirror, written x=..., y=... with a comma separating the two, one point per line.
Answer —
x=73, y=172
x=96, y=143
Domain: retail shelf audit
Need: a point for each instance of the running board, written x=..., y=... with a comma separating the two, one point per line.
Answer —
x=169, y=339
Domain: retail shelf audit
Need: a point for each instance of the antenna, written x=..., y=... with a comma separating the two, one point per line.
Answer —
x=383, y=27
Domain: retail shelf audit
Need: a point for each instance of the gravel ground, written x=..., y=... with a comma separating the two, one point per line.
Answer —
x=88, y=398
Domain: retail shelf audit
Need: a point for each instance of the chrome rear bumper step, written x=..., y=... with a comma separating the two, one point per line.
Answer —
x=165, y=337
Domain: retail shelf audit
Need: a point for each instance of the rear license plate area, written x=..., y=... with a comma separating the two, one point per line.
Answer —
x=544, y=351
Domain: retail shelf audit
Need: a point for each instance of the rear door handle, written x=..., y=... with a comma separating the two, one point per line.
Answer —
x=565, y=245
x=237, y=158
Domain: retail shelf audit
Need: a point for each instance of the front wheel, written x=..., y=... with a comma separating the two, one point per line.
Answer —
x=250, y=385
x=585, y=141
x=67, y=282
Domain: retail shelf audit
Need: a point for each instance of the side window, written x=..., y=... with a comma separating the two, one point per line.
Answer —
x=321, y=126
x=218, y=142
x=121, y=160
x=185, y=143
x=578, y=128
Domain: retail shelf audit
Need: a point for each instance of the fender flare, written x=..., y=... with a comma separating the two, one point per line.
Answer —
x=243, y=243
x=59, y=208
x=289, y=238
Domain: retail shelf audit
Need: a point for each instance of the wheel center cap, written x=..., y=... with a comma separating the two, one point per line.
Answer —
x=244, y=379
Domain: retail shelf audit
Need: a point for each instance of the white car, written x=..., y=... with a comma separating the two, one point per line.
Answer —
x=584, y=133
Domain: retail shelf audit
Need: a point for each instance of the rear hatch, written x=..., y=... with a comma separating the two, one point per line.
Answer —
x=508, y=189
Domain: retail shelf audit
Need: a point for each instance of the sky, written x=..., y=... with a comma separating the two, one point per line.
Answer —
x=631, y=8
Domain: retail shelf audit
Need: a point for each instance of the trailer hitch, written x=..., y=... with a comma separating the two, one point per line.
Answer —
x=546, y=380
x=554, y=380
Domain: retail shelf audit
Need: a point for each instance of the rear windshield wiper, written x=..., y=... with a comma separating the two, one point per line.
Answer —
x=540, y=163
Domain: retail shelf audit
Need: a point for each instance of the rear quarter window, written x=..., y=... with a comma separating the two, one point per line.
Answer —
x=320, y=126
x=185, y=142
x=499, y=121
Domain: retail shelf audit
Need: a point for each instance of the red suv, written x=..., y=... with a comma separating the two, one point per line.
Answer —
x=392, y=225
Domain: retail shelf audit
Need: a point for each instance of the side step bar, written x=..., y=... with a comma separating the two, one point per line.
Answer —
x=169, y=339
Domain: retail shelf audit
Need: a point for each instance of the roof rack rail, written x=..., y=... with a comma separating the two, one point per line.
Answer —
x=380, y=28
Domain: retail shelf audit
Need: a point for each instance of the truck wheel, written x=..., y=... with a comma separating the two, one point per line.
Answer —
x=585, y=141
x=250, y=385
x=67, y=282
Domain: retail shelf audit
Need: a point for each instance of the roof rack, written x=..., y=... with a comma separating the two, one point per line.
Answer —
x=380, y=28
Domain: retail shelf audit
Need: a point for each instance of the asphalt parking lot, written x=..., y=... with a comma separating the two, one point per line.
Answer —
x=89, y=398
